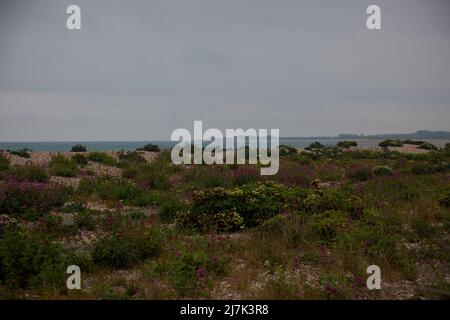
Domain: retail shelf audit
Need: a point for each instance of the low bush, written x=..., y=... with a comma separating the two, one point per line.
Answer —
x=347, y=144
x=383, y=171
x=243, y=175
x=360, y=173
x=25, y=197
x=427, y=146
x=444, y=199
x=315, y=145
x=4, y=163
x=286, y=151
x=78, y=148
x=31, y=173
x=63, y=167
x=121, y=250
x=193, y=267
x=219, y=209
x=317, y=201
x=24, y=153
x=80, y=159
x=170, y=209
x=326, y=225
x=101, y=157
x=390, y=143
x=30, y=260
x=149, y=147
x=86, y=219
x=131, y=156
x=422, y=168
x=110, y=188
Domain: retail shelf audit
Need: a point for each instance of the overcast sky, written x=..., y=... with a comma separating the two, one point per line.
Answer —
x=137, y=70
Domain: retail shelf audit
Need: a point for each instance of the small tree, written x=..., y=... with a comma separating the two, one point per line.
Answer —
x=347, y=144
x=149, y=147
x=78, y=148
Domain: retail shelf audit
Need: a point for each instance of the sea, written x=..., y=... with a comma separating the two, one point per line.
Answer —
x=62, y=146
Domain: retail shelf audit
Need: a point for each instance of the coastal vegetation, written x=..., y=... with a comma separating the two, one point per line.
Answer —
x=140, y=227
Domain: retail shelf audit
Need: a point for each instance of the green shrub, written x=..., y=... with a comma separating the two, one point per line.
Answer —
x=110, y=188
x=149, y=147
x=169, y=210
x=152, y=177
x=78, y=148
x=390, y=143
x=4, y=163
x=131, y=156
x=383, y=171
x=327, y=224
x=86, y=219
x=29, y=260
x=228, y=210
x=315, y=145
x=29, y=197
x=286, y=150
x=444, y=199
x=347, y=144
x=101, y=157
x=127, y=248
x=360, y=173
x=30, y=173
x=427, y=146
x=317, y=201
x=422, y=227
x=422, y=168
x=192, y=268
x=24, y=153
x=80, y=159
x=63, y=167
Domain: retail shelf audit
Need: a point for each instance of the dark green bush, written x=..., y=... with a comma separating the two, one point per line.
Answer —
x=317, y=201
x=80, y=159
x=422, y=228
x=30, y=173
x=30, y=260
x=193, y=268
x=347, y=144
x=149, y=147
x=63, y=167
x=170, y=209
x=427, y=146
x=219, y=209
x=444, y=199
x=383, y=171
x=326, y=225
x=131, y=156
x=78, y=148
x=110, y=188
x=286, y=150
x=360, y=173
x=101, y=157
x=86, y=219
x=29, y=197
x=121, y=250
x=4, y=163
x=390, y=143
x=422, y=168
x=24, y=153
x=315, y=145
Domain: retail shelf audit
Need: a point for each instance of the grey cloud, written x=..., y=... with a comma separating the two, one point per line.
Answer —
x=139, y=69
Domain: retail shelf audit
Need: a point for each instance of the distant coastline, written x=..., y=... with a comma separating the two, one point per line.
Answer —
x=59, y=146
